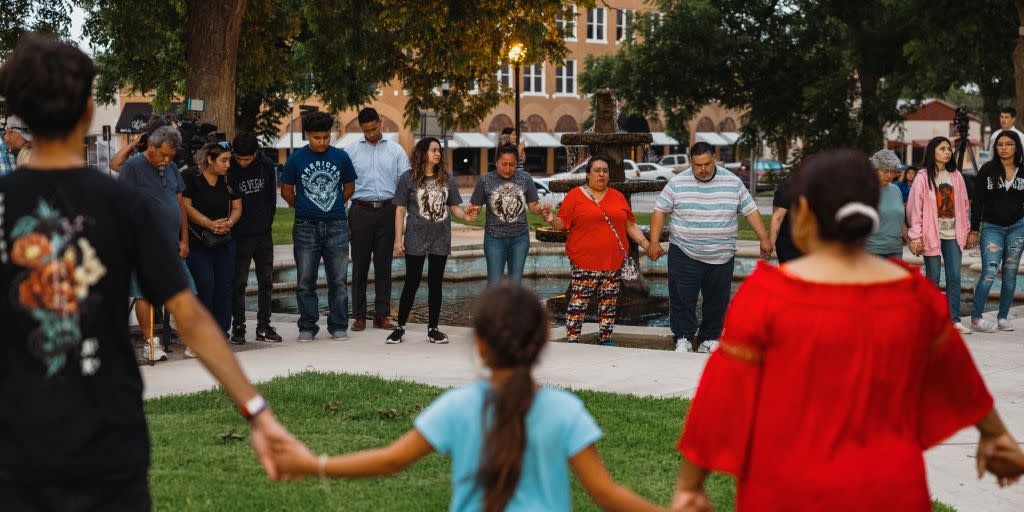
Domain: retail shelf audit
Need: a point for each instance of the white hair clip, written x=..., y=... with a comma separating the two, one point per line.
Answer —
x=858, y=207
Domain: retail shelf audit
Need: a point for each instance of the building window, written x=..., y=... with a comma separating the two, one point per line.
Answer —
x=533, y=79
x=623, y=23
x=567, y=25
x=596, y=19
x=565, y=78
x=505, y=76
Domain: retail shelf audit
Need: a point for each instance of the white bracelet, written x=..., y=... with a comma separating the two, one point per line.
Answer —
x=322, y=467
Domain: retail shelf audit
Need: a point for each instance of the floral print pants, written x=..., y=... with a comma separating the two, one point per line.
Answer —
x=581, y=288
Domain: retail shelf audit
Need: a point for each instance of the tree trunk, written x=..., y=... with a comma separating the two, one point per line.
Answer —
x=212, y=54
x=1018, y=61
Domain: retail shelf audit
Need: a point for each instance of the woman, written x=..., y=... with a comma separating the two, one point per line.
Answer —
x=998, y=210
x=938, y=212
x=598, y=220
x=906, y=181
x=781, y=234
x=887, y=241
x=427, y=193
x=214, y=207
x=833, y=414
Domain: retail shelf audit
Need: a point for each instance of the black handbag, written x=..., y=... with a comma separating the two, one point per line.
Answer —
x=209, y=238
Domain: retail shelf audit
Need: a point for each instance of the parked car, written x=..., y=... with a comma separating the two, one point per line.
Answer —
x=770, y=173
x=652, y=171
x=678, y=162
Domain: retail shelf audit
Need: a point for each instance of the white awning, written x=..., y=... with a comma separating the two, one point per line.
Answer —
x=471, y=140
x=453, y=143
x=541, y=140
x=730, y=137
x=712, y=138
x=663, y=139
x=352, y=137
x=267, y=141
x=295, y=142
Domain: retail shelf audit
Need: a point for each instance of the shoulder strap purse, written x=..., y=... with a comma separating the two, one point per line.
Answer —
x=629, y=271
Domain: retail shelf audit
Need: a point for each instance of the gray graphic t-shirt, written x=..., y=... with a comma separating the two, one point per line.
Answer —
x=428, y=225
x=506, y=201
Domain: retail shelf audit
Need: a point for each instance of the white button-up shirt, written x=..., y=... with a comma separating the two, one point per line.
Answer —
x=378, y=167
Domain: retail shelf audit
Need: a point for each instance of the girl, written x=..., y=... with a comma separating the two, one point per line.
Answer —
x=517, y=456
x=431, y=193
x=998, y=212
x=938, y=213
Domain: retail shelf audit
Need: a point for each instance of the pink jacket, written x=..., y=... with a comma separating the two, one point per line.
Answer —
x=923, y=213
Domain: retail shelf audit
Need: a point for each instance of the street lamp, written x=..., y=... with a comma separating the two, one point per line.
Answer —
x=516, y=55
x=445, y=91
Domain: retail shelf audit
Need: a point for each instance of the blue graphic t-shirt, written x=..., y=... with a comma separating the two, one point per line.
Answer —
x=319, y=180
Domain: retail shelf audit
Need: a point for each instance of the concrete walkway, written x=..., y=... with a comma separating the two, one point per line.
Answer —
x=1000, y=357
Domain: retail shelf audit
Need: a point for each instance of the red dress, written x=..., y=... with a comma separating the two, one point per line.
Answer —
x=824, y=396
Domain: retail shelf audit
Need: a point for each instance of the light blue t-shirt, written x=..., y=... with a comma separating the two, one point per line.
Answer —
x=888, y=240
x=558, y=427
x=319, y=180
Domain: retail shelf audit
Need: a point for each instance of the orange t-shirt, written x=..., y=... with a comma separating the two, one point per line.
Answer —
x=591, y=244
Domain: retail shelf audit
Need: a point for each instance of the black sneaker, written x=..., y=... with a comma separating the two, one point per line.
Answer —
x=396, y=335
x=436, y=336
x=267, y=334
x=238, y=336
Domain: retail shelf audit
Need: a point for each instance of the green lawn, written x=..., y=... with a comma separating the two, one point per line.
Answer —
x=195, y=469
x=286, y=217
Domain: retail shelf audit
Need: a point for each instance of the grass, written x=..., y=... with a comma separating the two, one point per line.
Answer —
x=285, y=217
x=194, y=469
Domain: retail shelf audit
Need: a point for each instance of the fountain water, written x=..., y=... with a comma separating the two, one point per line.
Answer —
x=635, y=300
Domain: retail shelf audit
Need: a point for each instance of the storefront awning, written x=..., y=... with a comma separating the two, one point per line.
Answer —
x=663, y=139
x=296, y=141
x=541, y=140
x=352, y=137
x=730, y=137
x=471, y=140
x=712, y=138
x=135, y=115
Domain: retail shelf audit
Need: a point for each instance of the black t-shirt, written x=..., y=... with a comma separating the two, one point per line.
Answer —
x=210, y=200
x=257, y=185
x=785, y=249
x=70, y=388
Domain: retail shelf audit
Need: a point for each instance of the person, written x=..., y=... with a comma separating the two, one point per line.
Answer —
x=703, y=202
x=939, y=219
x=833, y=414
x=427, y=193
x=887, y=240
x=906, y=180
x=998, y=213
x=139, y=145
x=317, y=181
x=214, y=207
x=509, y=194
x=254, y=175
x=781, y=234
x=509, y=137
x=1007, y=122
x=378, y=163
x=153, y=175
x=75, y=434
x=15, y=138
x=512, y=442
x=598, y=219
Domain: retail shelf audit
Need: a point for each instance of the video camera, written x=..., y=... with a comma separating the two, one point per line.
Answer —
x=194, y=135
x=962, y=122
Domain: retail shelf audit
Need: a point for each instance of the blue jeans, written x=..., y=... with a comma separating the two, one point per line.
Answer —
x=213, y=271
x=951, y=257
x=315, y=240
x=688, y=278
x=999, y=244
x=501, y=251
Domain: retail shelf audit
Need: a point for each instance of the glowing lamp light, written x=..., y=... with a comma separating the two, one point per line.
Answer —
x=517, y=53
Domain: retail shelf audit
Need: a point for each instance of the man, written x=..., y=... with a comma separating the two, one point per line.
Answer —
x=703, y=201
x=1007, y=121
x=154, y=176
x=74, y=426
x=256, y=178
x=378, y=163
x=16, y=137
x=317, y=180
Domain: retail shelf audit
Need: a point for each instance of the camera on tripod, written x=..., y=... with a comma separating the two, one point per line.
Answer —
x=962, y=122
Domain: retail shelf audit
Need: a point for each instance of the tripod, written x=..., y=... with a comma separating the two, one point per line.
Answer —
x=963, y=147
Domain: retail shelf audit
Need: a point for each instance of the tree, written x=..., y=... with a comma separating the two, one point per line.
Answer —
x=20, y=16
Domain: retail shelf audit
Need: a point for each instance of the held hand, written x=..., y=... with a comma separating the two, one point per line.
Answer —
x=916, y=247
x=972, y=239
x=266, y=432
x=183, y=248
x=654, y=251
x=691, y=501
x=471, y=213
x=1002, y=456
x=294, y=459
x=767, y=248
x=399, y=248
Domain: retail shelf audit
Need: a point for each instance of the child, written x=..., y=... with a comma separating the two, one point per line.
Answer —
x=518, y=455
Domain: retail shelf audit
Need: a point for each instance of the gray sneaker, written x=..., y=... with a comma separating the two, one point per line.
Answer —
x=339, y=335
x=305, y=336
x=982, y=325
x=1004, y=325
x=683, y=345
x=707, y=347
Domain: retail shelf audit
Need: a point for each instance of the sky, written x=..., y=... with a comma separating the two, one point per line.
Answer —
x=77, y=20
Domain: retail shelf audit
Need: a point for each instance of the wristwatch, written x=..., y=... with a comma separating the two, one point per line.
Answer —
x=254, y=406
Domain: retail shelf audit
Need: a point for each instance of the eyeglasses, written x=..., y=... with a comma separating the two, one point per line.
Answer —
x=1005, y=145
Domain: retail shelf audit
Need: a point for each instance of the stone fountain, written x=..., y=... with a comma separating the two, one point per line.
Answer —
x=635, y=300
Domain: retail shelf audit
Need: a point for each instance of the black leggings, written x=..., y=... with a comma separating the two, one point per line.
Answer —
x=413, y=274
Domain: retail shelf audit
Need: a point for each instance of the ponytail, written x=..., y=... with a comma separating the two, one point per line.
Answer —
x=504, y=445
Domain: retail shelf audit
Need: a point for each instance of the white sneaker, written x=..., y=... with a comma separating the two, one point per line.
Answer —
x=962, y=329
x=982, y=325
x=707, y=346
x=189, y=354
x=683, y=345
x=153, y=351
x=1004, y=325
